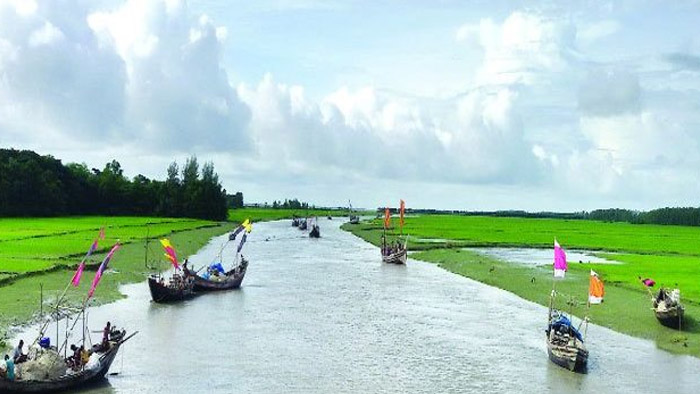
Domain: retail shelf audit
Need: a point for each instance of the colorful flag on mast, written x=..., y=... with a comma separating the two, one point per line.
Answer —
x=75, y=281
x=402, y=209
x=596, y=290
x=103, y=266
x=246, y=225
x=648, y=282
x=387, y=218
x=170, y=252
x=560, y=266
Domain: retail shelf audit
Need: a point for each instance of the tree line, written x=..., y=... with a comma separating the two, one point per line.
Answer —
x=35, y=185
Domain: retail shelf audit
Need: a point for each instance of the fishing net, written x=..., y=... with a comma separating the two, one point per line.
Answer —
x=44, y=365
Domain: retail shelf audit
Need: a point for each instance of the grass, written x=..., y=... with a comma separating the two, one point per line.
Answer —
x=668, y=254
x=36, y=244
x=624, y=310
x=579, y=234
x=21, y=297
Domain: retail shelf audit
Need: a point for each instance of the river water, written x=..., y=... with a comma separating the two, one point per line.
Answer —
x=326, y=316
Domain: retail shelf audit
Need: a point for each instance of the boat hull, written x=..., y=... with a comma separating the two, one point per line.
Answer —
x=315, y=233
x=572, y=358
x=233, y=281
x=161, y=293
x=64, y=383
x=399, y=257
x=672, y=318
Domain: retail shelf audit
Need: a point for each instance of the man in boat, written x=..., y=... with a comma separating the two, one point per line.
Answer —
x=84, y=355
x=10, y=365
x=105, y=336
x=74, y=360
x=18, y=356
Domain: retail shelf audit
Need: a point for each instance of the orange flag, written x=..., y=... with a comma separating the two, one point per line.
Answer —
x=596, y=290
x=402, y=210
x=387, y=218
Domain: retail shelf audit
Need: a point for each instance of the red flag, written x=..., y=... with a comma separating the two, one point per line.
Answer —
x=402, y=210
x=387, y=218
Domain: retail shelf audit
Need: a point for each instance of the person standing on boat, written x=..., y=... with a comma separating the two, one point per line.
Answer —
x=105, y=336
x=10, y=374
x=19, y=357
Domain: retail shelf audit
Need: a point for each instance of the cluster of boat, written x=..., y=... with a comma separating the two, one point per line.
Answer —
x=303, y=225
x=187, y=282
x=566, y=343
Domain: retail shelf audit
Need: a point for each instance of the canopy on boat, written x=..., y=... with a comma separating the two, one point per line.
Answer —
x=562, y=323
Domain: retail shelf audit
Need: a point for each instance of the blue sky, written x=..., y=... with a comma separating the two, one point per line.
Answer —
x=447, y=104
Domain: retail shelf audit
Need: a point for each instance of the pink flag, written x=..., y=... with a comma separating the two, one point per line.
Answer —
x=79, y=272
x=103, y=266
x=559, y=261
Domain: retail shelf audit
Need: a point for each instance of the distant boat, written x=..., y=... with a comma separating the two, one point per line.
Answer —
x=315, y=231
x=668, y=308
x=394, y=253
x=396, y=257
x=295, y=222
x=565, y=345
x=303, y=225
x=354, y=219
x=330, y=217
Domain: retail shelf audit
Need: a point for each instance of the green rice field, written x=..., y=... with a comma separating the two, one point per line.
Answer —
x=668, y=254
x=38, y=244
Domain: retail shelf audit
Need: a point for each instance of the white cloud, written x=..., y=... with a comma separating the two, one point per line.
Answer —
x=521, y=49
x=598, y=30
x=128, y=74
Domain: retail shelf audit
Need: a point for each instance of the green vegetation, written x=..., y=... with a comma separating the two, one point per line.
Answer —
x=668, y=254
x=39, y=244
x=34, y=185
x=430, y=231
x=21, y=296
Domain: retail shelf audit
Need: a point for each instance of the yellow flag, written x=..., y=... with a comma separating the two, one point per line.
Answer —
x=165, y=243
x=247, y=225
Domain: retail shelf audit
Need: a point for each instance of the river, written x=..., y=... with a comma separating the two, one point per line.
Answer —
x=326, y=316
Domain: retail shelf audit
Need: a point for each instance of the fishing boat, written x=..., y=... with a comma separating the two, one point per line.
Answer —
x=352, y=218
x=295, y=222
x=178, y=287
x=395, y=252
x=565, y=344
x=212, y=281
x=303, y=225
x=92, y=373
x=668, y=309
x=215, y=278
x=315, y=231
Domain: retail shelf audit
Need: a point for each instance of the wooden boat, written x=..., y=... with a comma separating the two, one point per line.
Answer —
x=330, y=217
x=354, y=219
x=178, y=288
x=71, y=381
x=668, y=309
x=565, y=345
x=303, y=225
x=228, y=281
x=315, y=231
x=397, y=257
x=295, y=222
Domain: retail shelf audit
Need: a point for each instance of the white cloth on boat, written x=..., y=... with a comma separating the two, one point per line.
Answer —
x=94, y=361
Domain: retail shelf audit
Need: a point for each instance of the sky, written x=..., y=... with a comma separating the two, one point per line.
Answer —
x=471, y=105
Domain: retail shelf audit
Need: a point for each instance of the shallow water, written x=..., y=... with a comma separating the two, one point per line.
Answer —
x=534, y=256
x=325, y=316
